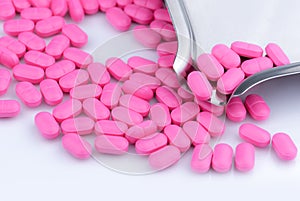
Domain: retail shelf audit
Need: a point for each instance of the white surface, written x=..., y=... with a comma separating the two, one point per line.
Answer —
x=33, y=168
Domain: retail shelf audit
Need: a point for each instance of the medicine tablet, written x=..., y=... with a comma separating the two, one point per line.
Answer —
x=13, y=45
x=59, y=7
x=141, y=131
x=5, y=80
x=164, y=157
x=210, y=66
x=137, y=89
x=168, y=77
x=59, y=69
x=160, y=114
x=185, y=112
x=40, y=3
x=168, y=97
x=36, y=13
x=201, y=158
x=230, y=80
x=123, y=3
x=166, y=61
x=226, y=56
x=167, y=48
x=276, y=54
x=255, y=135
x=184, y=94
x=32, y=41
x=108, y=144
x=142, y=65
x=16, y=26
x=79, y=125
x=199, y=85
x=73, y=79
x=235, y=110
x=211, y=123
x=39, y=59
x=165, y=29
x=149, y=145
x=96, y=110
x=8, y=58
x=57, y=46
x=222, y=158
x=21, y=4
x=209, y=107
x=118, y=19
x=29, y=73
x=244, y=157
x=145, y=80
x=9, y=108
x=105, y=5
x=49, y=26
x=110, y=95
x=138, y=14
x=7, y=10
x=118, y=69
x=76, y=146
x=47, y=125
x=51, y=92
x=256, y=65
x=196, y=132
x=75, y=10
x=66, y=110
x=76, y=35
x=29, y=94
x=90, y=7
x=245, y=49
x=83, y=92
x=257, y=107
x=177, y=137
x=162, y=14
x=79, y=57
x=126, y=115
x=284, y=146
x=98, y=74
x=135, y=103
x=110, y=127
x=151, y=4
x=146, y=36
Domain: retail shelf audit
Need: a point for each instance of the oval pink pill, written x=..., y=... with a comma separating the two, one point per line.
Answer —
x=5, y=80
x=79, y=57
x=90, y=7
x=276, y=54
x=9, y=108
x=148, y=145
x=21, y=4
x=98, y=74
x=162, y=14
x=29, y=94
x=255, y=135
x=79, y=125
x=210, y=122
x=134, y=103
x=137, y=89
x=76, y=35
x=201, y=158
x=110, y=127
x=49, y=26
x=145, y=80
x=256, y=65
x=284, y=146
x=29, y=73
x=32, y=41
x=167, y=48
x=166, y=61
x=123, y=3
x=8, y=58
x=59, y=69
x=257, y=107
x=108, y=144
x=75, y=10
x=245, y=49
x=118, y=69
x=168, y=97
x=76, y=146
x=57, y=46
x=210, y=66
x=17, y=26
x=73, y=79
x=47, y=125
x=164, y=157
x=209, y=107
x=51, y=92
x=165, y=29
x=230, y=80
x=196, y=133
x=110, y=95
x=222, y=158
x=168, y=77
x=244, y=157
x=142, y=65
x=39, y=59
x=7, y=10
x=68, y=109
x=36, y=13
x=151, y=4
x=160, y=114
x=140, y=131
x=185, y=112
x=139, y=14
x=199, y=85
x=126, y=115
x=184, y=94
x=83, y=92
x=177, y=137
x=105, y=5
x=13, y=45
x=40, y=3
x=118, y=19
x=235, y=110
x=59, y=7
x=227, y=57
x=94, y=109
x=146, y=36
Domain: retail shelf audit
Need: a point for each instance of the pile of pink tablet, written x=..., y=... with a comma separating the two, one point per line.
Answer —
x=137, y=102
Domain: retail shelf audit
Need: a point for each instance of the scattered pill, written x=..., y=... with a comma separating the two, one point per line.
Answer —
x=229, y=81
x=210, y=66
x=37, y=58
x=167, y=48
x=5, y=80
x=284, y=146
x=256, y=65
x=47, y=125
x=94, y=109
x=105, y=5
x=160, y=114
x=7, y=10
x=184, y=94
x=227, y=57
x=211, y=123
x=201, y=158
x=135, y=103
x=75, y=10
x=168, y=97
x=98, y=74
x=151, y=4
x=141, y=131
x=9, y=108
x=118, y=69
x=16, y=26
x=59, y=7
x=123, y=3
x=110, y=127
x=166, y=61
x=108, y=144
x=168, y=77
x=185, y=112
x=73, y=79
x=59, y=69
x=29, y=73
x=164, y=157
x=8, y=58
x=162, y=14
x=29, y=94
x=235, y=110
x=257, y=107
x=197, y=133
x=165, y=29
x=57, y=46
x=76, y=146
x=50, y=26
x=139, y=14
x=254, y=135
x=36, y=13
x=118, y=19
x=110, y=95
x=149, y=145
x=79, y=57
x=13, y=45
x=32, y=41
x=66, y=110
x=83, y=92
x=199, y=85
x=76, y=35
x=145, y=80
x=90, y=7
x=276, y=54
x=21, y=4
x=51, y=92
x=209, y=107
x=245, y=49
x=126, y=115
x=79, y=125
x=142, y=65
x=244, y=157
x=222, y=158
x=146, y=36
x=138, y=90
x=177, y=137
x=40, y=3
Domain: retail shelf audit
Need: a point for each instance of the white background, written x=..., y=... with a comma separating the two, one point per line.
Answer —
x=33, y=168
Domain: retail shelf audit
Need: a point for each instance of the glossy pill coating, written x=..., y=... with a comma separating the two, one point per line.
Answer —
x=59, y=69
x=123, y=3
x=197, y=133
x=118, y=69
x=177, y=137
x=29, y=73
x=28, y=94
x=49, y=26
x=245, y=49
x=79, y=57
x=151, y=4
x=138, y=90
x=201, y=158
x=76, y=35
x=110, y=95
x=146, y=36
x=211, y=123
x=73, y=79
x=165, y=29
x=168, y=97
x=209, y=107
x=235, y=110
x=257, y=107
x=94, y=109
x=98, y=74
x=66, y=110
x=284, y=146
x=39, y=59
x=105, y=5
x=9, y=108
x=126, y=115
x=57, y=46
x=36, y=13
x=227, y=57
x=118, y=19
x=8, y=58
x=110, y=127
x=149, y=145
x=168, y=77
x=167, y=48
x=160, y=114
x=59, y=7
x=142, y=65
x=140, y=131
x=32, y=41
x=79, y=125
x=7, y=10
x=47, y=125
x=222, y=158
x=184, y=94
x=75, y=10
x=145, y=80
x=276, y=54
x=83, y=92
x=166, y=61
x=13, y=45
x=164, y=157
x=135, y=103
x=210, y=66
x=244, y=157
x=16, y=26
x=108, y=144
x=162, y=14
x=51, y=92
x=77, y=146
x=199, y=85
x=255, y=135
x=230, y=80
x=90, y=7
x=21, y=4
x=139, y=14
x=256, y=65
x=185, y=112
x=40, y=3
x=5, y=80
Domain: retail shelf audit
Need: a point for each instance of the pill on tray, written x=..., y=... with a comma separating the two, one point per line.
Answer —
x=29, y=73
x=142, y=65
x=244, y=157
x=66, y=110
x=7, y=10
x=5, y=80
x=222, y=158
x=126, y=115
x=73, y=79
x=177, y=137
x=39, y=59
x=36, y=13
x=245, y=49
x=105, y=5
x=79, y=125
x=164, y=157
x=201, y=158
x=255, y=135
x=256, y=65
x=118, y=19
x=118, y=69
x=28, y=94
x=210, y=122
x=276, y=54
x=257, y=107
x=210, y=66
x=135, y=103
x=168, y=96
x=77, y=146
x=98, y=74
x=94, y=109
x=32, y=41
x=110, y=96
x=230, y=80
x=146, y=36
x=138, y=14
x=284, y=146
x=149, y=145
x=75, y=10
x=185, y=112
x=51, y=92
x=13, y=45
x=59, y=69
x=160, y=114
x=47, y=125
x=49, y=26
x=81, y=58
x=76, y=35
x=110, y=127
x=59, y=7
x=16, y=26
x=109, y=144
x=9, y=108
x=235, y=110
x=199, y=85
x=226, y=56
x=196, y=132
x=21, y=4
x=8, y=58
x=83, y=92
